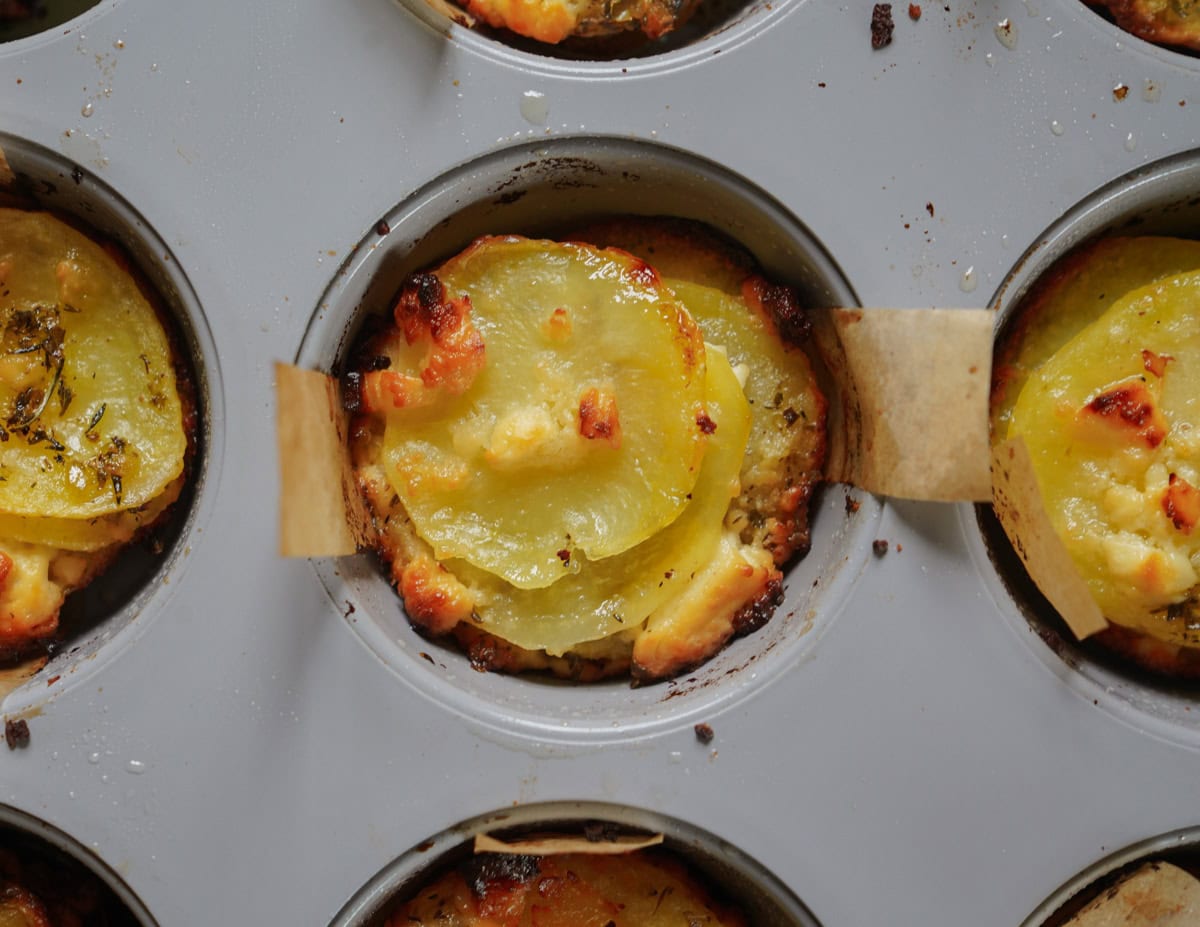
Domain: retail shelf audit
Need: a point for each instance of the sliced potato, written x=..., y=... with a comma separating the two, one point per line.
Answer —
x=595, y=599
x=83, y=535
x=583, y=433
x=1112, y=422
x=90, y=415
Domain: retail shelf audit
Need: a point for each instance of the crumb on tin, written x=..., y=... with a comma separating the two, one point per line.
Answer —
x=881, y=25
x=16, y=733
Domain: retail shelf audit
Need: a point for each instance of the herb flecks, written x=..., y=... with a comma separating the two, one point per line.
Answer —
x=92, y=434
x=109, y=466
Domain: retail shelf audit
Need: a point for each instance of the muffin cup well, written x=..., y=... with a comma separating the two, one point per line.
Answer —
x=538, y=189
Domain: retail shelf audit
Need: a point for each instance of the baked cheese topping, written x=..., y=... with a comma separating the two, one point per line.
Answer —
x=1112, y=422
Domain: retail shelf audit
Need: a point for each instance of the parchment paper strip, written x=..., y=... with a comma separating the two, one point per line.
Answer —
x=1019, y=506
x=321, y=510
x=552, y=846
x=912, y=420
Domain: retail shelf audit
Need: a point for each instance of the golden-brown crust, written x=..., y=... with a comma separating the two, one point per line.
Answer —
x=1164, y=22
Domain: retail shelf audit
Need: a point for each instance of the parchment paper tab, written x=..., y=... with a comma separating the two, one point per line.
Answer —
x=321, y=510
x=912, y=421
x=550, y=846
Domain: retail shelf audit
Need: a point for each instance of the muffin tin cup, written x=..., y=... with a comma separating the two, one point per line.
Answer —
x=540, y=189
x=1176, y=846
x=48, y=842
x=1162, y=198
x=103, y=618
x=717, y=864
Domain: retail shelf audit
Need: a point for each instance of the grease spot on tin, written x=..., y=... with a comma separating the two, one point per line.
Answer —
x=969, y=280
x=535, y=109
x=1006, y=33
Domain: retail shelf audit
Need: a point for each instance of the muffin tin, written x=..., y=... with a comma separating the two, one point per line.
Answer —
x=262, y=736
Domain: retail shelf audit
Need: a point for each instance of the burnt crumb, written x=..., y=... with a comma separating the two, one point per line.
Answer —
x=705, y=424
x=790, y=416
x=350, y=609
x=881, y=25
x=879, y=547
x=487, y=871
x=601, y=832
x=77, y=175
x=929, y=209
x=852, y=504
x=1120, y=92
x=16, y=733
x=382, y=228
x=565, y=556
x=704, y=733
x=914, y=11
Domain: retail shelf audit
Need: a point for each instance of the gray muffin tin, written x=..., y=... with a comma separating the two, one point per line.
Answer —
x=253, y=739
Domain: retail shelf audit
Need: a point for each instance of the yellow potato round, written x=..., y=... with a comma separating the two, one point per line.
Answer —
x=90, y=418
x=1112, y=422
x=503, y=475
x=596, y=599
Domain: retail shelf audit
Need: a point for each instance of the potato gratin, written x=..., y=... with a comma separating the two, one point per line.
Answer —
x=1102, y=380
x=554, y=21
x=94, y=433
x=577, y=462
x=642, y=889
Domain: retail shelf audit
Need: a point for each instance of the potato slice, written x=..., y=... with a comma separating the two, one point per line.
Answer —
x=90, y=418
x=723, y=294
x=595, y=599
x=583, y=433
x=89, y=534
x=1112, y=423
